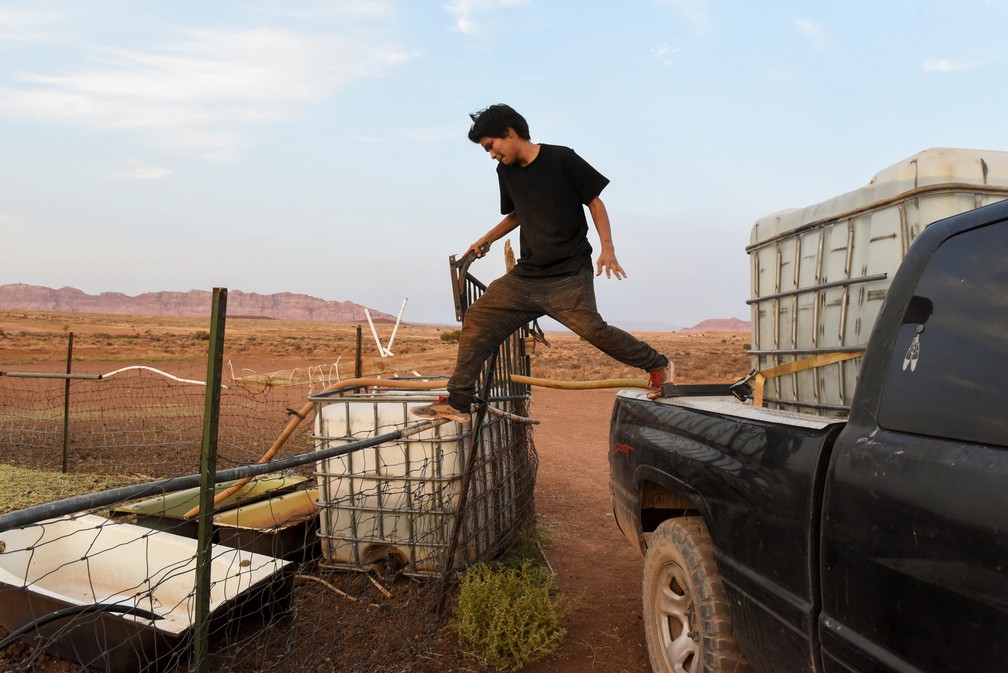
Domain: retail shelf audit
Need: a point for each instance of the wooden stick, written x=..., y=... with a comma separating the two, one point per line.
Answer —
x=327, y=584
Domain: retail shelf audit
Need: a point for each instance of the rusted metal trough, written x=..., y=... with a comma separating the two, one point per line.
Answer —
x=125, y=594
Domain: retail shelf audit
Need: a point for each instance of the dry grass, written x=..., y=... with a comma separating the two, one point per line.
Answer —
x=21, y=488
x=38, y=341
x=41, y=339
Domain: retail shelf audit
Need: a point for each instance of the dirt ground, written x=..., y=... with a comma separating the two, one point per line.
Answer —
x=596, y=569
x=595, y=566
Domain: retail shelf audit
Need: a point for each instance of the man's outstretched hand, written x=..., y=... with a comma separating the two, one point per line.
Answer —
x=607, y=262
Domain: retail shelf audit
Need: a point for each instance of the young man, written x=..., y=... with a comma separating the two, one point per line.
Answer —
x=544, y=190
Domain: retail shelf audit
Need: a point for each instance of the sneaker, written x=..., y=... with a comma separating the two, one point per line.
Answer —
x=657, y=378
x=441, y=410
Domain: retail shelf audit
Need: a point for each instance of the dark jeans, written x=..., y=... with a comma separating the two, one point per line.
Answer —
x=512, y=301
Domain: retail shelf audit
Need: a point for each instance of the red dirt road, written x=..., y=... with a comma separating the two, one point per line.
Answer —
x=596, y=568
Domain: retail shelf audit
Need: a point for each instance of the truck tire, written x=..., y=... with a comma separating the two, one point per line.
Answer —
x=686, y=620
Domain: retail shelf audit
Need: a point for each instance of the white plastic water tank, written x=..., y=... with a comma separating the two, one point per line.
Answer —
x=396, y=500
x=819, y=274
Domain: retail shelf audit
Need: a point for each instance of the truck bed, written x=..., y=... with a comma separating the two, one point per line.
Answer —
x=767, y=469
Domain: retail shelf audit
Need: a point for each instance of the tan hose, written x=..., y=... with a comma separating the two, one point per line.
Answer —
x=579, y=385
x=301, y=415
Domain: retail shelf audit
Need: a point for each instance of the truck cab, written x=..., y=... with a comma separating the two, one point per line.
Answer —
x=865, y=531
x=914, y=522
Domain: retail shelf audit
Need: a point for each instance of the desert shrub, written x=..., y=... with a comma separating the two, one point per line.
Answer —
x=507, y=616
x=451, y=335
x=528, y=548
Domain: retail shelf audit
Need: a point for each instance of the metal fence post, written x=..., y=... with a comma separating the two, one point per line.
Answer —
x=208, y=468
x=466, y=478
x=66, y=404
x=358, y=362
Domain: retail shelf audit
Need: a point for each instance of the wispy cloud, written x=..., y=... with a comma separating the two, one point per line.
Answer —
x=469, y=15
x=990, y=57
x=813, y=32
x=943, y=65
x=206, y=90
x=22, y=24
x=663, y=54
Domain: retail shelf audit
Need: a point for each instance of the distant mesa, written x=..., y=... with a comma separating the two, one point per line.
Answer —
x=191, y=304
x=719, y=325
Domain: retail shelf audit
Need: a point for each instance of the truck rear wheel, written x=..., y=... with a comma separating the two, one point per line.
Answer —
x=686, y=619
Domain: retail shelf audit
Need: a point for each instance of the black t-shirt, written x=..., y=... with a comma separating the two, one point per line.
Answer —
x=548, y=196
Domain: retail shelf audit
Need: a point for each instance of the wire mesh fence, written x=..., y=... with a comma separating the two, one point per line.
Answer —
x=283, y=597
x=138, y=420
x=335, y=555
x=331, y=564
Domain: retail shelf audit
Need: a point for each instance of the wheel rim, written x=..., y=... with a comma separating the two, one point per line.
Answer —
x=674, y=613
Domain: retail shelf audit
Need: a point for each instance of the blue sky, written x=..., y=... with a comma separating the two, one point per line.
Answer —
x=320, y=147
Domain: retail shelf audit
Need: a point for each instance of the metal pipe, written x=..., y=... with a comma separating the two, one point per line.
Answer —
x=809, y=351
x=820, y=287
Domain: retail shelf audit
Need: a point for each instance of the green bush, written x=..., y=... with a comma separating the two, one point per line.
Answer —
x=451, y=335
x=527, y=549
x=507, y=616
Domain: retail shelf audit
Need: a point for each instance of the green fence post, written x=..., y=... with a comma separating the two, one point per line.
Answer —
x=66, y=403
x=358, y=362
x=208, y=468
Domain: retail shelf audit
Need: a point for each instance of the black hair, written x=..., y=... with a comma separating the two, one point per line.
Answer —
x=494, y=121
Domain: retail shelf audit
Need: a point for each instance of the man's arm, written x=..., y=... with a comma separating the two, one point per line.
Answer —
x=607, y=258
x=503, y=228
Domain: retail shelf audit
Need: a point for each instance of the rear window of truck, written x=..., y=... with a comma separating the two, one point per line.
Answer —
x=948, y=374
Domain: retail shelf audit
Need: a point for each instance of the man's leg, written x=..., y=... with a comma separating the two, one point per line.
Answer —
x=503, y=308
x=571, y=301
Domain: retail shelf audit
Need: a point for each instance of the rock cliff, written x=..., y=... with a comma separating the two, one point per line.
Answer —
x=194, y=303
x=720, y=325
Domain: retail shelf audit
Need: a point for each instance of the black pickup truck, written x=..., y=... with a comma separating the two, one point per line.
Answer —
x=781, y=541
